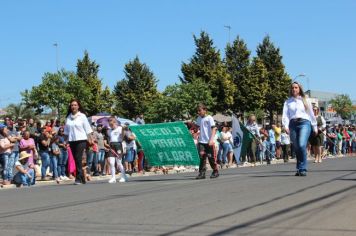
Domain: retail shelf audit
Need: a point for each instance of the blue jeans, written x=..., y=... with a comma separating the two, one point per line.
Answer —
x=101, y=156
x=15, y=155
x=261, y=155
x=92, y=160
x=8, y=164
x=26, y=180
x=130, y=155
x=353, y=146
x=62, y=162
x=336, y=147
x=299, y=135
x=271, y=153
x=54, y=166
x=101, y=159
x=226, y=149
x=345, y=147
x=220, y=152
x=45, y=159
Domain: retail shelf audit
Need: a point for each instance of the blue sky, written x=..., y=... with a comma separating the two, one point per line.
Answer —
x=316, y=37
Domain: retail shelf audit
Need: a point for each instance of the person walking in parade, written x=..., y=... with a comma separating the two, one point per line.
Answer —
x=298, y=119
x=116, y=135
x=254, y=133
x=317, y=141
x=206, y=142
x=77, y=131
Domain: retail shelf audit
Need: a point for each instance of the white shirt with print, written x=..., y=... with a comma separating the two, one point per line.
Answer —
x=205, y=124
x=115, y=135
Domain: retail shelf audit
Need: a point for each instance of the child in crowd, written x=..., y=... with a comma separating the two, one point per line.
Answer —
x=263, y=148
x=285, y=142
x=54, y=157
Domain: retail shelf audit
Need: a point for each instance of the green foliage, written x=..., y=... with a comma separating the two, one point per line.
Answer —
x=55, y=92
x=87, y=70
x=342, y=105
x=16, y=111
x=179, y=102
x=137, y=91
x=107, y=99
x=206, y=65
x=278, y=80
x=51, y=93
x=257, y=86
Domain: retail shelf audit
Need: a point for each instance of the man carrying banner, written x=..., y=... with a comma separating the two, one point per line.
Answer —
x=206, y=142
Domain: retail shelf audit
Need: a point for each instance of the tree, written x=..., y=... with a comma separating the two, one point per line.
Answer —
x=55, y=92
x=179, y=102
x=278, y=80
x=51, y=93
x=17, y=111
x=136, y=92
x=342, y=104
x=108, y=100
x=257, y=86
x=206, y=65
x=237, y=60
x=88, y=70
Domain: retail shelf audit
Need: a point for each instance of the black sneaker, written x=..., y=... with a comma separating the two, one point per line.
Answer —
x=303, y=173
x=214, y=175
x=200, y=176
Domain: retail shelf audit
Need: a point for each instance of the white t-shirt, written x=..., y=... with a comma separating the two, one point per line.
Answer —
x=77, y=128
x=226, y=137
x=115, y=135
x=131, y=144
x=285, y=140
x=205, y=124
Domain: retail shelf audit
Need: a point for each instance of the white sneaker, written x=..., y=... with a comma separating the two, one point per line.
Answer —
x=112, y=181
x=65, y=178
x=61, y=178
x=123, y=179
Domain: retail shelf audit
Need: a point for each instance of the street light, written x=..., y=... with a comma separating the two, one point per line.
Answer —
x=303, y=75
x=56, y=45
x=229, y=28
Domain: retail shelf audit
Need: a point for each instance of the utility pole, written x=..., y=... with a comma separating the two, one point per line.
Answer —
x=229, y=29
x=56, y=45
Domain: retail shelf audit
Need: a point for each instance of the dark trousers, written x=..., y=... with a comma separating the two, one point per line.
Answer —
x=206, y=151
x=285, y=151
x=251, y=150
x=77, y=148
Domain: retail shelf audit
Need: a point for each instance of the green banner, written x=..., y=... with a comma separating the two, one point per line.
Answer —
x=167, y=144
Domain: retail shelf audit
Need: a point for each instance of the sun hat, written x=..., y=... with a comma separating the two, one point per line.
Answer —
x=24, y=155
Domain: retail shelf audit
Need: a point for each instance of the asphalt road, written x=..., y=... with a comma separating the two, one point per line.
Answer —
x=265, y=200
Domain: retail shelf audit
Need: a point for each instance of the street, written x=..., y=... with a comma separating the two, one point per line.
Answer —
x=265, y=200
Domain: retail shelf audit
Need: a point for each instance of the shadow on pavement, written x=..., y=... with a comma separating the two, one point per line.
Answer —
x=269, y=216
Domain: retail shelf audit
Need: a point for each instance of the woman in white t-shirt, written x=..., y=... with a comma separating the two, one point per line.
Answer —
x=77, y=130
